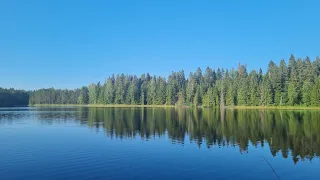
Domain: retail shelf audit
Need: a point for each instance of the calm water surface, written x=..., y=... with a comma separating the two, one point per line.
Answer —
x=158, y=143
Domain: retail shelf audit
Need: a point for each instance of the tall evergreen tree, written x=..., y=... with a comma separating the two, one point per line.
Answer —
x=92, y=94
x=284, y=82
x=109, y=91
x=315, y=94
x=151, y=95
x=191, y=88
x=119, y=90
x=196, y=100
x=161, y=91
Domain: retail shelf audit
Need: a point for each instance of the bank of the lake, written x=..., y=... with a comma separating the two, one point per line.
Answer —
x=276, y=107
x=101, y=105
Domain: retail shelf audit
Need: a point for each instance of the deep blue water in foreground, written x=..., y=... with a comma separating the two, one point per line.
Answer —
x=158, y=143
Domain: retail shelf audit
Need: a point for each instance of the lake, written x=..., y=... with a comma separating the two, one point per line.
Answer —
x=158, y=143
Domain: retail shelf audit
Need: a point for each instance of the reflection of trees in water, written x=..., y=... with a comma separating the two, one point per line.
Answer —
x=297, y=132
x=14, y=115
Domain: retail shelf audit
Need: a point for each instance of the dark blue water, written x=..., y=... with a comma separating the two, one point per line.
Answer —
x=158, y=143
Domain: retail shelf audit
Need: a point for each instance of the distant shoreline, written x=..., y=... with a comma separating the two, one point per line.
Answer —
x=276, y=107
x=171, y=106
x=101, y=105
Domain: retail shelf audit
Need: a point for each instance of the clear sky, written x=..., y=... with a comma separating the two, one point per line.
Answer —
x=70, y=43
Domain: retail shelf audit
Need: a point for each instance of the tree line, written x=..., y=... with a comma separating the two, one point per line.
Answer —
x=12, y=97
x=295, y=83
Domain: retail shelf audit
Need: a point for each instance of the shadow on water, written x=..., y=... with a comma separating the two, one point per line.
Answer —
x=289, y=133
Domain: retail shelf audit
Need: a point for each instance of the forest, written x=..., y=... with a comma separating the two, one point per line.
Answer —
x=12, y=97
x=292, y=83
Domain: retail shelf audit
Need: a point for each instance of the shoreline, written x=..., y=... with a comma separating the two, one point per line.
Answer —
x=102, y=105
x=276, y=107
x=173, y=106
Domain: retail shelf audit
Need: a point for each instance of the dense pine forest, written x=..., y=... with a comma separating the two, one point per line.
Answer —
x=296, y=83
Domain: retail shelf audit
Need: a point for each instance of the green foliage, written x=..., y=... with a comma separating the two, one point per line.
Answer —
x=306, y=95
x=12, y=97
x=151, y=95
x=93, y=94
x=315, y=94
x=181, y=98
x=294, y=84
x=160, y=91
x=57, y=96
x=109, y=92
x=191, y=89
x=292, y=94
x=208, y=99
x=119, y=89
x=230, y=97
x=83, y=98
x=196, y=100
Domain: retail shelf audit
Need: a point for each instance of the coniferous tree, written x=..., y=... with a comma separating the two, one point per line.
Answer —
x=216, y=97
x=253, y=89
x=181, y=98
x=230, y=96
x=161, y=91
x=151, y=91
x=293, y=84
x=242, y=92
x=83, y=98
x=306, y=95
x=170, y=100
x=191, y=88
x=92, y=93
x=266, y=93
x=315, y=94
x=119, y=89
x=133, y=91
x=292, y=94
x=284, y=83
x=109, y=92
x=196, y=100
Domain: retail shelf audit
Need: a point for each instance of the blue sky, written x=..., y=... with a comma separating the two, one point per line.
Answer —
x=68, y=44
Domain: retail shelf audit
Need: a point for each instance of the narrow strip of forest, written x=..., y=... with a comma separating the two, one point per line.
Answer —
x=295, y=84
